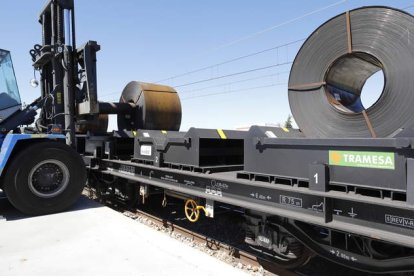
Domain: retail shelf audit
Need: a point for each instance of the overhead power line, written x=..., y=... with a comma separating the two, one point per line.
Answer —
x=219, y=77
x=252, y=36
x=218, y=85
x=247, y=37
x=233, y=91
x=235, y=82
x=234, y=74
x=408, y=7
x=232, y=60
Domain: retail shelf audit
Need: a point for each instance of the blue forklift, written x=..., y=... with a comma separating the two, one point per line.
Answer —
x=39, y=173
x=40, y=170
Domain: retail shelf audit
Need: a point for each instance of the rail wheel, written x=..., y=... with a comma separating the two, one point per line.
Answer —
x=44, y=178
x=274, y=245
x=295, y=256
x=292, y=255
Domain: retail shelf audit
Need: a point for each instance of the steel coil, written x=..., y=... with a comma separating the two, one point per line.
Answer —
x=158, y=107
x=333, y=64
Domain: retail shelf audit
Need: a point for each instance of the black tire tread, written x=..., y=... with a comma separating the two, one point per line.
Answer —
x=15, y=183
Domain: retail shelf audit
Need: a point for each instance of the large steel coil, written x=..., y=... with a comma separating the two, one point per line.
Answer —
x=332, y=66
x=158, y=107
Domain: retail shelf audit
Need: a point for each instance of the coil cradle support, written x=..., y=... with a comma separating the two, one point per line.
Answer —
x=332, y=66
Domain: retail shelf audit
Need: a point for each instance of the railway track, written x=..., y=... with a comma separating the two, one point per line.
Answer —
x=177, y=227
x=238, y=256
x=210, y=237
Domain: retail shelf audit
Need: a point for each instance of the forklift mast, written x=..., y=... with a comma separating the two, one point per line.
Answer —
x=69, y=84
x=68, y=74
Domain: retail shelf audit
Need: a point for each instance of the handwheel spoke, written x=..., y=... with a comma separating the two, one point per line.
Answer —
x=191, y=211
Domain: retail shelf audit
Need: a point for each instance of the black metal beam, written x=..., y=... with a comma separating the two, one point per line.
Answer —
x=360, y=215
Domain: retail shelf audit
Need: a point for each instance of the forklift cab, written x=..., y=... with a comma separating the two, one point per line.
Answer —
x=9, y=92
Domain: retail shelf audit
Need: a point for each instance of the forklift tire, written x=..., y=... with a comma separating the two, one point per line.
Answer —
x=44, y=178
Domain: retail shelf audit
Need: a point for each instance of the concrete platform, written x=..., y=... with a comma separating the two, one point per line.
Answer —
x=95, y=240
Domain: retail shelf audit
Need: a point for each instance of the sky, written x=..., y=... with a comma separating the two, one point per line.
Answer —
x=163, y=40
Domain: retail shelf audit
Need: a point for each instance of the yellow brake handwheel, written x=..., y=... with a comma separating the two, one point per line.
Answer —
x=192, y=213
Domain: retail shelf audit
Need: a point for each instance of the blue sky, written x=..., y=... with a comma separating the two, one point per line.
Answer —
x=151, y=40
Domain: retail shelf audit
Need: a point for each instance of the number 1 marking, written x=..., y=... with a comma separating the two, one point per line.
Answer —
x=316, y=178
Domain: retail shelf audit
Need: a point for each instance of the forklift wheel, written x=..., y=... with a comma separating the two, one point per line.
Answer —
x=45, y=178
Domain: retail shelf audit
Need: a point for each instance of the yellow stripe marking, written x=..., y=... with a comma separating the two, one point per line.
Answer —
x=221, y=134
x=285, y=129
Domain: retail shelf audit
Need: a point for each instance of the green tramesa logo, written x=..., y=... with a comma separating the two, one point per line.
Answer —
x=362, y=159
